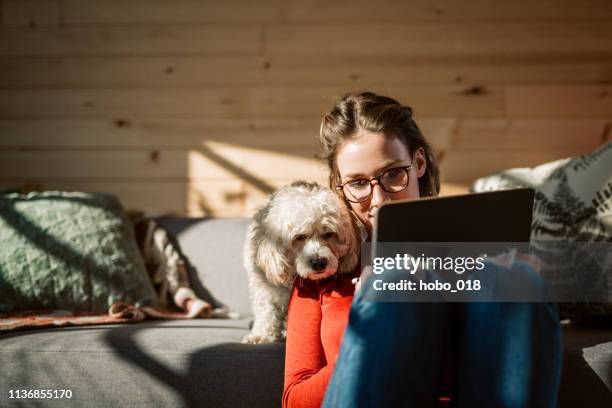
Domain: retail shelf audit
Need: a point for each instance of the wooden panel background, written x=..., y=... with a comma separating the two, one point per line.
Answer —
x=204, y=107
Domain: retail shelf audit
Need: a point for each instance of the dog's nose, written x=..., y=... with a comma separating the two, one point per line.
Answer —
x=318, y=264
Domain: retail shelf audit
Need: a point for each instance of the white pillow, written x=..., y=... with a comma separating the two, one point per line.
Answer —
x=573, y=203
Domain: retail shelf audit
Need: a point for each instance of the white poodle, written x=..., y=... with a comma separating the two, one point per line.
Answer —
x=303, y=230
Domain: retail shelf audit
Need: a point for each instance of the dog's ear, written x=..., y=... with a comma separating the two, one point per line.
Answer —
x=352, y=240
x=273, y=262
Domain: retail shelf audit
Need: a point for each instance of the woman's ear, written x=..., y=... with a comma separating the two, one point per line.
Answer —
x=273, y=262
x=421, y=162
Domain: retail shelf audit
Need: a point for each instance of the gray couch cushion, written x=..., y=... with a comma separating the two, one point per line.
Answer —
x=214, y=249
x=152, y=364
x=586, y=379
x=200, y=363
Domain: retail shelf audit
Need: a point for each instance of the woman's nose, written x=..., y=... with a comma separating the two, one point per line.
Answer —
x=379, y=195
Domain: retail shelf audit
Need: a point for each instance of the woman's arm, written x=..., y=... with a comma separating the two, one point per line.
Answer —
x=306, y=370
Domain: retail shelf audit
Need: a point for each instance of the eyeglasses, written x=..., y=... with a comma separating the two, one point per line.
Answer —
x=392, y=181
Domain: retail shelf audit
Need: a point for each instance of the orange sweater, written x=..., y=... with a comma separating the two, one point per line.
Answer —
x=318, y=315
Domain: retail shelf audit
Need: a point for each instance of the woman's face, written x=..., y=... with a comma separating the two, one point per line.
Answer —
x=368, y=155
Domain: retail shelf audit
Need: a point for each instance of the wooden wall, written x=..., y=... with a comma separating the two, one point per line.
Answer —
x=205, y=106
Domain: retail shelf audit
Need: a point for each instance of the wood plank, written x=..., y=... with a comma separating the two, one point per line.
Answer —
x=476, y=39
x=448, y=10
x=42, y=164
x=451, y=189
x=559, y=101
x=232, y=102
x=30, y=13
x=130, y=72
x=557, y=134
x=216, y=198
x=439, y=132
x=465, y=167
x=350, y=72
x=153, y=197
x=201, y=197
x=440, y=101
x=255, y=198
x=78, y=12
x=126, y=133
x=122, y=133
x=253, y=165
x=131, y=40
x=214, y=160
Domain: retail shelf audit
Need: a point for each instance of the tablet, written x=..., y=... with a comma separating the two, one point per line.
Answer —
x=440, y=246
x=497, y=216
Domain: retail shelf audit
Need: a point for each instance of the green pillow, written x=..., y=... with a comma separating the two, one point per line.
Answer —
x=68, y=250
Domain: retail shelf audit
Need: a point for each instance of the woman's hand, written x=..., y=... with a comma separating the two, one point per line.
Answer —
x=365, y=274
x=507, y=258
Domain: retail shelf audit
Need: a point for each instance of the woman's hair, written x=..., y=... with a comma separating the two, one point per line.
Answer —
x=378, y=114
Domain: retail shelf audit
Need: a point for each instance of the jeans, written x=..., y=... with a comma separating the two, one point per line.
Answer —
x=505, y=354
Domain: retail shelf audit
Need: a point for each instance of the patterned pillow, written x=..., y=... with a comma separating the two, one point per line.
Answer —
x=68, y=250
x=573, y=202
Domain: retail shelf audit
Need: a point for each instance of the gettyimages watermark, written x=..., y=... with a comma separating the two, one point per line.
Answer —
x=542, y=271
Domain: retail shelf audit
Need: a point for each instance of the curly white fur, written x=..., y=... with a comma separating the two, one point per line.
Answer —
x=303, y=230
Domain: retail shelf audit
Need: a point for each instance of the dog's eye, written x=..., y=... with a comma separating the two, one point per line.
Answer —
x=329, y=235
x=299, y=237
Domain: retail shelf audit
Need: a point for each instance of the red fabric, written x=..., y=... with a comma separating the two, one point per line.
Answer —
x=318, y=315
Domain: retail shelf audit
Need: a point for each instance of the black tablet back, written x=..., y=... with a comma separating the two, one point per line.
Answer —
x=498, y=216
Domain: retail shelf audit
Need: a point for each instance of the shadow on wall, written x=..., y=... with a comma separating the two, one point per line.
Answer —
x=237, y=171
x=160, y=183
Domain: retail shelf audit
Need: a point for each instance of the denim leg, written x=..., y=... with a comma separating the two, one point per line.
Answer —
x=392, y=354
x=509, y=352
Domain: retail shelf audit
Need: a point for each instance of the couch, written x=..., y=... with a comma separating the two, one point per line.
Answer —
x=201, y=362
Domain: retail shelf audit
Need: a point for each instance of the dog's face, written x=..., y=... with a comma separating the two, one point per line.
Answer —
x=315, y=237
x=316, y=247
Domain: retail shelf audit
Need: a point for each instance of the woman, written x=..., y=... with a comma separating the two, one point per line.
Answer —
x=396, y=354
